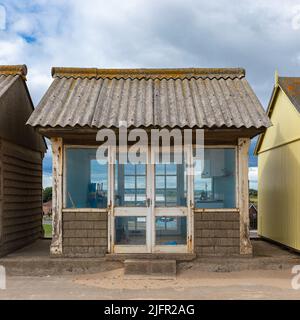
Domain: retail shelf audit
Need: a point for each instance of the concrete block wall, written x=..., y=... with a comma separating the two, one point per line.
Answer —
x=84, y=234
x=217, y=233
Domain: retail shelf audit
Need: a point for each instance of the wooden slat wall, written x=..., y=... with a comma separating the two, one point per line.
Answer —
x=21, y=177
x=1, y=195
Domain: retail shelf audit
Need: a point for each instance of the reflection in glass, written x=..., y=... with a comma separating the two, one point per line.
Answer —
x=160, y=182
x=130, y=230
x=129, y=182
x=130, y=185
x=170, y=184
x=140, y=182
x=170, y=231
x=86, y=179
x=214, y=179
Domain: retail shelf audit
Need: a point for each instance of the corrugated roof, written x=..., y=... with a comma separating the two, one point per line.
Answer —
x=15, y=107
x=19, y=69
x=6, y=82
x=149, y=97
x=9, y=74
x=291, y=86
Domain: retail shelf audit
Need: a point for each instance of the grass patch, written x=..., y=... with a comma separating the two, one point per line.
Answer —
x=47, y=230
x=253, y=199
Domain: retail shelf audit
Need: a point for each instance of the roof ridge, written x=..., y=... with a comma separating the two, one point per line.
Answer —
x=210, y=77
x=20, y=69
x=288, y=77
x=162, y=73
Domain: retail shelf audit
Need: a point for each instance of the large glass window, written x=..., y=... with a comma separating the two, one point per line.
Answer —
x=86, y=179
x=214, y=180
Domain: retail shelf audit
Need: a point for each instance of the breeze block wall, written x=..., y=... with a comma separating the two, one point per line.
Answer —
x=217, y=233
x=84, y=234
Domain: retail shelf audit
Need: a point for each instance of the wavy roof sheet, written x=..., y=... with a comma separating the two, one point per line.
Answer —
x=15, y=108
x=9, y=74
x=96, y=98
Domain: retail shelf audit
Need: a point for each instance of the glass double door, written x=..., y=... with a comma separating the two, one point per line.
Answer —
x=151, y=205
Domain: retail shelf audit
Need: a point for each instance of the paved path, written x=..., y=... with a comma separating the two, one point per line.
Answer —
x=266, y=276
x=111, y=285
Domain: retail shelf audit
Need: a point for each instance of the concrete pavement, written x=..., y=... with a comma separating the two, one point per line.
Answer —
x=111, y=285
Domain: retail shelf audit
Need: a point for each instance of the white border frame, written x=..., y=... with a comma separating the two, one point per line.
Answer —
x=128, y=212
x=173, y=211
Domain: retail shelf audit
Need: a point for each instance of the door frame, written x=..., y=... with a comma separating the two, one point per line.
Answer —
x=115, y=211
x=150, y=211
x=180, y=211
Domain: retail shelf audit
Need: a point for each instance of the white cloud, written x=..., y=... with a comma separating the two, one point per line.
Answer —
x=253, y=177
x=149, y=33
x=11, y=49
x=257, y=35
x=47, y=180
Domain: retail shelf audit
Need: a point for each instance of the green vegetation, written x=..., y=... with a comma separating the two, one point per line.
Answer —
x=47, y=230
x=47, y=194
x=252, y=192
x=253, y=196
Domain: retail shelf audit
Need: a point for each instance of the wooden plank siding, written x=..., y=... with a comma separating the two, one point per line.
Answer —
x=1, y=194
x=21, y=196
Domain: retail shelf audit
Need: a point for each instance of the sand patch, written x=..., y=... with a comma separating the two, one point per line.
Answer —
x=114, y=279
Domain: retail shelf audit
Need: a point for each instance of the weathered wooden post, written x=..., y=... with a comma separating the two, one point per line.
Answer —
x=57, y=163
x=243, y=195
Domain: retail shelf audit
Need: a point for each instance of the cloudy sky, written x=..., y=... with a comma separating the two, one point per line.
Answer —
x=260, y=36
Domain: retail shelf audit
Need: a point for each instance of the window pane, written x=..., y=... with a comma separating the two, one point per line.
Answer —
x=130, y=185
x=141, y=169
x=130, y=230
x=129, y=182
x=160, y=182
x=141, y=182
x=129, y=197
x=171, y=168
x=170, y=231
x=86, y=179
x=129, y=169
x=214, y=180
x=140, y=197
x=171, y=184
x=160, y=198
x=171, y=198
x=159, y=169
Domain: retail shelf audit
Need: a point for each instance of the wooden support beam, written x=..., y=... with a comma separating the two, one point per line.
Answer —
x=57, y=196
x=243, y=195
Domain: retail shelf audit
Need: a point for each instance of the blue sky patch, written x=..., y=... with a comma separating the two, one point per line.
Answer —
x=28, y=38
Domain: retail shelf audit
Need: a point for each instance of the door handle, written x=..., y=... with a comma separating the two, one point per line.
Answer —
x=148, y=202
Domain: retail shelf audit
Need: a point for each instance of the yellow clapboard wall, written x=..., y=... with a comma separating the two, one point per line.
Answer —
x=279, y=175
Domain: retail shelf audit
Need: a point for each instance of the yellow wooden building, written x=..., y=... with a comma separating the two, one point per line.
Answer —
x=278, y=151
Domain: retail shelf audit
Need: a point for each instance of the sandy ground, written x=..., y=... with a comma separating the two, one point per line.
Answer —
x=188, y=285
x=265, y=276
